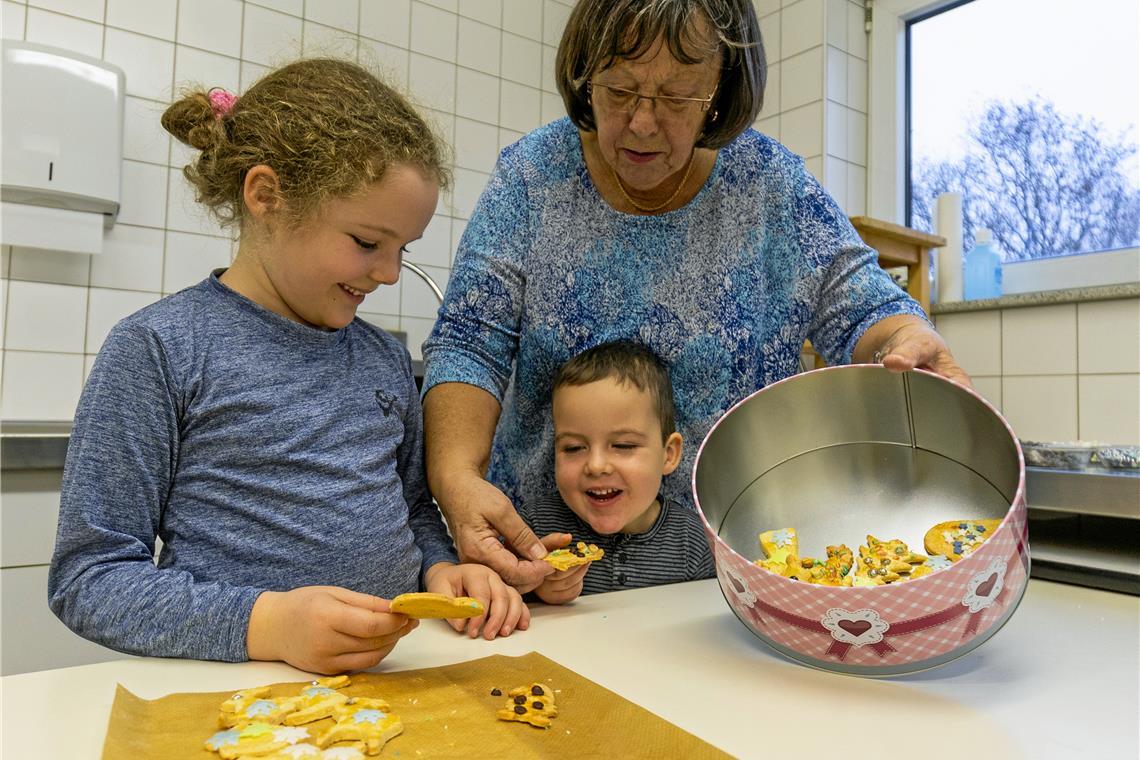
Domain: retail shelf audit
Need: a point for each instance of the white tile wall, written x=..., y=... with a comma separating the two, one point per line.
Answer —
x=75, y=34
x=1059, y=373
x=1109, y=408
x=1108, y=337
x=479, y=46
x=975, y=339
x=483, y=68
x=816, y=98
x=40, y=386
x=1040, y=340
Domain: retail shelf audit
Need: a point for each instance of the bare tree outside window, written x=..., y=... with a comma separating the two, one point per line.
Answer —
x=1048, y=178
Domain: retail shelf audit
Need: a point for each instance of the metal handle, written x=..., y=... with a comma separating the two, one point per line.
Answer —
x=425, y=277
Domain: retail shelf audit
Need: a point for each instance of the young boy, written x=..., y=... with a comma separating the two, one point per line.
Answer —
x=614, y=440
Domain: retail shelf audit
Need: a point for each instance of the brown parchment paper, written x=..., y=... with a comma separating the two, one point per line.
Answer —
x=447, y=712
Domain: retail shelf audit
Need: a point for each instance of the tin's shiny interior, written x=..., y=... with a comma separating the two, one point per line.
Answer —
x=844, y=452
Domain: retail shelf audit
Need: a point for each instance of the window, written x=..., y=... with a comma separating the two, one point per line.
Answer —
x=1029, y=109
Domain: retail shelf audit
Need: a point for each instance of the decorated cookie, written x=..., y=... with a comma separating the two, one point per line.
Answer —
x=298, y=752
x=354, y=751
x=317, y=700
x=252, y=740
x=262, y=711
x=350, y=752
x=533, y=704
x=573, y=556
x=233, y=709
x=885, y=561
x=428, y=605
x=781, y=552
x=775, y=542
x=364, y=720
x=957, y=538
x=833, y=571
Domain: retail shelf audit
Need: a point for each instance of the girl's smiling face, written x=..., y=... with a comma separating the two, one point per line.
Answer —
x=319, y=273
x=609, y=456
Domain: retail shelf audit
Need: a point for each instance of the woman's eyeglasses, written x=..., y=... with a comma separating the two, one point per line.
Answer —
x=621, y=100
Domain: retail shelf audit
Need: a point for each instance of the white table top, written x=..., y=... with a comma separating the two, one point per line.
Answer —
x=1062, y=678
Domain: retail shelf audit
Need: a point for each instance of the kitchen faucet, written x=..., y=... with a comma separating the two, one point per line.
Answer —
x=425, y=277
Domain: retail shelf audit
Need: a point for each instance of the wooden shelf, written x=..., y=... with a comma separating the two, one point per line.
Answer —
x=898, y=246
x=902, y=246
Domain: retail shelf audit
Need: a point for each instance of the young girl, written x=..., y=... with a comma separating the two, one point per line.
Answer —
x=270, y=438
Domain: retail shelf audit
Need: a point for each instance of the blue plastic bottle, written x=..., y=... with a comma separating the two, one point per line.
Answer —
x=982, y=276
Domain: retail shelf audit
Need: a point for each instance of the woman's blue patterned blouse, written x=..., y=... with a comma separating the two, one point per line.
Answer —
x=725, y=290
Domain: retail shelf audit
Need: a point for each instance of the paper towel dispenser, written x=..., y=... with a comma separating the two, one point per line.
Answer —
x=62, y=147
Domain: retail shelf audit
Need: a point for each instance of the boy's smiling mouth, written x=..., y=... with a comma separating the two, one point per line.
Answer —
x=603, y=495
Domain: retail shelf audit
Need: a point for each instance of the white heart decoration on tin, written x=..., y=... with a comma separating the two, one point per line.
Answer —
x=739, y=586
x=982, y=590
x=857, y=628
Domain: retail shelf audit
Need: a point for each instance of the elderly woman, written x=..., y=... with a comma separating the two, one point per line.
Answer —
x=653, y=213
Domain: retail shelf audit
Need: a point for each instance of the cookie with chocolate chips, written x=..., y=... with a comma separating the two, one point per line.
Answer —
x=533, y=704
x=574, y=555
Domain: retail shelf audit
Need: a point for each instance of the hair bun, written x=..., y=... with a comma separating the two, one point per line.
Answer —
x=191, y=120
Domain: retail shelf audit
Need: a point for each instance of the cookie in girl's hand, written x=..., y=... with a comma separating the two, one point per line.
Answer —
x=426, y=604
x=573, y=556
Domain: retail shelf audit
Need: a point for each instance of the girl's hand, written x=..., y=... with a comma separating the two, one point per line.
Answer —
x=505, y=611
x=324, y=629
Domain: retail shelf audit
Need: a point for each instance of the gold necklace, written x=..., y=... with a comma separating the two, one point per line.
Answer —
x=648, y=209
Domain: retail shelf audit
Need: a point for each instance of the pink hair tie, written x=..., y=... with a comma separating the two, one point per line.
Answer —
x=221, y=101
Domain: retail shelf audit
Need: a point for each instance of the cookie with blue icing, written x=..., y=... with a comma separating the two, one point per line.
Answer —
x=253, y=739
x=957, y=538
x=363, y=719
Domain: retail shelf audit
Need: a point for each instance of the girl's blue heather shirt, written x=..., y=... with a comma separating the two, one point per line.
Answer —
x=266, y=454
x=725, y=290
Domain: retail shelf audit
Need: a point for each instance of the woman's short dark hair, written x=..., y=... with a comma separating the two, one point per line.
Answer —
x=600, y=32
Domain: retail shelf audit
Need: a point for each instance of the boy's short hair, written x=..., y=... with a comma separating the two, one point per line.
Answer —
x=627, y=362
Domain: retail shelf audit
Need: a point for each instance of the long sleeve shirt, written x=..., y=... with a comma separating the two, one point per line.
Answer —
x=265, y=454
x=725, y=290
x=673, y=550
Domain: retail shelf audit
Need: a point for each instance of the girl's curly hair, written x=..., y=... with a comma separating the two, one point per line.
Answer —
x=327, y=127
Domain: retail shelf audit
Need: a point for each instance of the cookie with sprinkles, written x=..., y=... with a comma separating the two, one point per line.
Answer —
x=957, y=538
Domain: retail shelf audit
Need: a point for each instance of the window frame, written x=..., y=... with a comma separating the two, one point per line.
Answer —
x=888, y=153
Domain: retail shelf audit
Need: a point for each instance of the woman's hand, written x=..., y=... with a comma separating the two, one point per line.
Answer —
x=477, y=514
x=459, y=423
x=324, y=629
x=903, y=342
x=505, y=611
x=565, y=585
